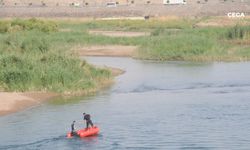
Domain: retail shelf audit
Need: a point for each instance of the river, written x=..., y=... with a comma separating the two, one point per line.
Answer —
x=154, y=105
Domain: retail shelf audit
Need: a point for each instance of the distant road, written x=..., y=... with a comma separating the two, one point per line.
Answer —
x=208, y=9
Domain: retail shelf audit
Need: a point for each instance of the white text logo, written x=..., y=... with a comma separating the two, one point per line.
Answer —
x=235, y=15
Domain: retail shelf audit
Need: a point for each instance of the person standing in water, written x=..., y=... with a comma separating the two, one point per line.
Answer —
x=73, y=132
x=88, y=120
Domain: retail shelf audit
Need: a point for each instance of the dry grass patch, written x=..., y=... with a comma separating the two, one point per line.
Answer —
x=118, y=33
x=222, y=21
x=106, y=50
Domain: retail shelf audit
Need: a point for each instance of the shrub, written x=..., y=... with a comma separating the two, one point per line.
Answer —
x=4, y=26
x=26, y=25
x=27, y=42
x=238, y=32
x=13, y=42
x=35, y=44
x=157, y=31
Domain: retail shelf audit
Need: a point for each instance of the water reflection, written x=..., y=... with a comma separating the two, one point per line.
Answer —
x=64, y=100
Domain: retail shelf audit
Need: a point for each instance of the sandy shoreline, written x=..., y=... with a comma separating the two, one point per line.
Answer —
x=11, y=102
x=118, y=33
x=106, y=50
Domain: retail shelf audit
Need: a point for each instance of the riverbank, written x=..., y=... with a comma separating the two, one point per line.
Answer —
x=11, y=102
x=44, y=56
x=165, y=39
x=106, y=50
x=31, y=62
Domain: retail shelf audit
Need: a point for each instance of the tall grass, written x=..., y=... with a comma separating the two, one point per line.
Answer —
x=30, y=61
x=180, y=46
x=173, y=39
x=27, y=25
x=34, y=54
x=169, y=40
x=130, y=25
x=238, y=32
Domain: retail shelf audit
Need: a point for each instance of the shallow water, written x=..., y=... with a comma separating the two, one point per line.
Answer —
x=171, y=105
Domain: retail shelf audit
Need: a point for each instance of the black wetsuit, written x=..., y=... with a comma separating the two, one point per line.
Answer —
x=73, y=129
x=88, y=120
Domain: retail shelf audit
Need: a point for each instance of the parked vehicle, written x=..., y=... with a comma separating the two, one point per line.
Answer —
x=169, y=2
x=111, y=4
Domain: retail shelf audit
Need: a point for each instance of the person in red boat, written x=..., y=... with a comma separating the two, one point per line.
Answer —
x=88, y=120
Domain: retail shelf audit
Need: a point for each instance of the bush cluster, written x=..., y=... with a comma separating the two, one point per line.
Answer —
x=28, y=63
x=27, y=25
x=238, y=32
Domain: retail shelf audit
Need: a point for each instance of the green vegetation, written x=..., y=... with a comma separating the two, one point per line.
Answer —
x=173, y=39
x=239, y=32
x=198, y=44
x=27, y=25
x=29, y=61
x=188, y=44
x=35, y=54
x=141, y=25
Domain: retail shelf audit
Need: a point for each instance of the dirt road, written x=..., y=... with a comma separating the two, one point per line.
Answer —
x=211, y=8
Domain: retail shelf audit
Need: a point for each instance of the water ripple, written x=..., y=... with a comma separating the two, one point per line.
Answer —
x=229, y=88
x=36, y=144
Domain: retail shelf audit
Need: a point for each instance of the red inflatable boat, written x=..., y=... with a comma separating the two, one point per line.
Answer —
x=85, y=132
